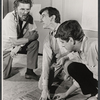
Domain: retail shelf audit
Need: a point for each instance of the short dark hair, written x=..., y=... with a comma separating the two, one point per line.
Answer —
x=16, y=3
x=52, y=11
x=70, y=28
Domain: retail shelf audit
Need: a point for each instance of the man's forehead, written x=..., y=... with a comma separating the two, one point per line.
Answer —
x=45, y=12
x=24, y=4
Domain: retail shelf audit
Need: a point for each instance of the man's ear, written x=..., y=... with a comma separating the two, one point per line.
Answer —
x=53, y=18
x=72, y=41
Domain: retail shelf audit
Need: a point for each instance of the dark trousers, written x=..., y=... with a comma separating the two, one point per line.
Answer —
x=84, y=77
x=52, y=75
x=30, y=48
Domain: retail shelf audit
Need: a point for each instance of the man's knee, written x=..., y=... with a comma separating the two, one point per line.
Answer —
x=33, y=44
x=76, y=67
x=6, y=73
x=72, y=67
x=36, y=43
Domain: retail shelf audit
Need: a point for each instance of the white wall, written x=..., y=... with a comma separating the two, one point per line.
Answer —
x=69, y=9
x=42, y=32
x=84, y=11
x=90, y=15
x=44, y=3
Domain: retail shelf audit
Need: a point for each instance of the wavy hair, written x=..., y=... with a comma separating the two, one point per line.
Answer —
x=16, y=3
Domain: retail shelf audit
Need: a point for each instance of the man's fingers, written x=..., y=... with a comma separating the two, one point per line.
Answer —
x=48, y=96
x=13, y=54
x=59, y=64
x=41, y=98
x=56, y=97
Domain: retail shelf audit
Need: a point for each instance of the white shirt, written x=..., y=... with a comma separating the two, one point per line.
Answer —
x=9, y=29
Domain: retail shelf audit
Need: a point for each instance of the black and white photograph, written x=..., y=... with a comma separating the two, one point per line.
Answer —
x=49, y=49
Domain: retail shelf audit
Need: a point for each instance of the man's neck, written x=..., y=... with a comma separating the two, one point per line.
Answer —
x=77, y=46
x=53, y=26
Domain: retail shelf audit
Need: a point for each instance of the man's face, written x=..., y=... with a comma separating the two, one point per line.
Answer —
x=45, y=19
x=23, y=10
x=68, y=45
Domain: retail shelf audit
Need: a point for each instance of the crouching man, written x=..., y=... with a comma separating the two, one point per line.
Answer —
x=85, y=73
x=19, y=35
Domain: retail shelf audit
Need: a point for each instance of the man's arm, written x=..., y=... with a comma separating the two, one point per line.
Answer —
x=66, y=94
x=92, y=58
x=18, y=42
x=31, y=36
x=47, y=56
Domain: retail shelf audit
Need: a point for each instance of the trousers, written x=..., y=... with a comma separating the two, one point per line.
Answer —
x=84, y=77
x=30, y=48
x=52, y=75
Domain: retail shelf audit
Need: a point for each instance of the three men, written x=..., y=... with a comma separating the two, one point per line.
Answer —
x=16, y=37
x=19, y=34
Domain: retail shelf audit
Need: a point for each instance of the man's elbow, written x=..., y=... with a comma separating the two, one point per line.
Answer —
x=34, y=35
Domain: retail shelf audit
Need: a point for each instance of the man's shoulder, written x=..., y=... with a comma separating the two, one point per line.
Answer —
x=92, y=42
x=9, y=15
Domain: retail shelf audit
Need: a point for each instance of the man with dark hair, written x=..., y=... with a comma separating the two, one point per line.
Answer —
x=20, y=35
x=85, y=73
x=53, y=52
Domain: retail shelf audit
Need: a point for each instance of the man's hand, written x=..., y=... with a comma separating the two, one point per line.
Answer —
x=45, y=95
x=32, y=35
x=14, y=51
x=92, y=98
x=61, y=61
x=59, y=96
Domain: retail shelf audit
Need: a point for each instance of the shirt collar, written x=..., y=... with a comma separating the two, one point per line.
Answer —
x=16, y=18
x=55, y=30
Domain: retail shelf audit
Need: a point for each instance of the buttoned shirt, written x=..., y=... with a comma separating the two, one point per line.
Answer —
x=89, y=55
x=10, y=25
x=52, y=46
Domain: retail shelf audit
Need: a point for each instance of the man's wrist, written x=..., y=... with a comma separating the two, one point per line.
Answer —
x=45, y=87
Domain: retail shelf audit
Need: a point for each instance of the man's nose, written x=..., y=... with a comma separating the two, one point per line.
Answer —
x=26, y=12
x=41, y=20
